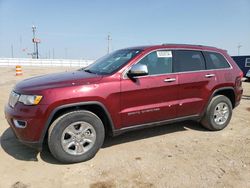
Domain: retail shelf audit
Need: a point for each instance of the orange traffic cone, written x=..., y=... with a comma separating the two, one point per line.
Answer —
x=19, y=70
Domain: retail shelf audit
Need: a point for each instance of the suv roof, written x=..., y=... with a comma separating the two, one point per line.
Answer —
x=169, y=45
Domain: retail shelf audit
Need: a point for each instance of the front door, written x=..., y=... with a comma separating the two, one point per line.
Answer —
x=153, y=97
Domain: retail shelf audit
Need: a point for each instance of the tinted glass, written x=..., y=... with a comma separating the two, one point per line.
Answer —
x=158, y=62
x=215, y=61
x=187, y=60
x=112, y=62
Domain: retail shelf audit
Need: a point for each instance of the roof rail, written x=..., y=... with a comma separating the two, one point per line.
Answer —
x=187, y=45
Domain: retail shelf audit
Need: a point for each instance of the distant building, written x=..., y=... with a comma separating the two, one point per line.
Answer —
x=243, y=62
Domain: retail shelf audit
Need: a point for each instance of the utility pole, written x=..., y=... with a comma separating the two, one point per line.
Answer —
x=239, y=46
x=35, y=41
x=12, y=51
x=34, y=36
x=37, y=50
x=53, y=53
x=109, y=42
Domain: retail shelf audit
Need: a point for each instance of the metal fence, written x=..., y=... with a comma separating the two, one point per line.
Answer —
x=45, y=62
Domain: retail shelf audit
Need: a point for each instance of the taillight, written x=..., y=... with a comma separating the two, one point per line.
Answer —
x=238, y=81
x=241, y=74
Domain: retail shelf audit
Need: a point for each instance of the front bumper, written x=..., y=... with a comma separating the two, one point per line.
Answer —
x=34, y=117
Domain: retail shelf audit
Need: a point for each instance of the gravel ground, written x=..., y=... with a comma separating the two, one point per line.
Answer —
x=176, y=155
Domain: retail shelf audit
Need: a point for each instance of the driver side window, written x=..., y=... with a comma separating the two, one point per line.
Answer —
x=158, y=62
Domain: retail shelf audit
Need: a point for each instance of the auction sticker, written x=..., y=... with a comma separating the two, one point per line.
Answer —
x=164, y=54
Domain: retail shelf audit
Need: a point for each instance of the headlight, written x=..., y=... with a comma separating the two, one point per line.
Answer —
x=30, y=99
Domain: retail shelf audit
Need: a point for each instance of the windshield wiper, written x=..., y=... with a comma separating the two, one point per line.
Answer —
x=89, y=71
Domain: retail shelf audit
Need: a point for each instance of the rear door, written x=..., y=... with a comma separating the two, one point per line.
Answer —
x=195, y=82
x=153, y=97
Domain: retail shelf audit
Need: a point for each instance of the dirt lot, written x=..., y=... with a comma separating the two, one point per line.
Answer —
x=176, y=155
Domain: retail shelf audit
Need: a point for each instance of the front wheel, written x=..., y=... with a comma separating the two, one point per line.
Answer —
x=218, y=113
x=76, y=136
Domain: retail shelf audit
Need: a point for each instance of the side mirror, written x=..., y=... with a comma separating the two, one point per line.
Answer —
x=138, y=70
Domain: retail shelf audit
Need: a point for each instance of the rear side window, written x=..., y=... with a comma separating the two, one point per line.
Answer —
x=188, y=60
x=215, y=61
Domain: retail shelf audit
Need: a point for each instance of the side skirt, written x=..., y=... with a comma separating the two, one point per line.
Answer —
x=153, y=124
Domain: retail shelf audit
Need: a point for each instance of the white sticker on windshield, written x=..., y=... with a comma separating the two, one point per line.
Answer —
x=164, y=54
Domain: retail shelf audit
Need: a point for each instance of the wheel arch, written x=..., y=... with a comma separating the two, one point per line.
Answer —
x=93, y=106
x=226, y=91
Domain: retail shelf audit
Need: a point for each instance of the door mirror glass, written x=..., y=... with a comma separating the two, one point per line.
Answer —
x=138, y=70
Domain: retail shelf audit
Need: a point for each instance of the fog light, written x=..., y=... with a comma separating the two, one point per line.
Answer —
x=19, y=123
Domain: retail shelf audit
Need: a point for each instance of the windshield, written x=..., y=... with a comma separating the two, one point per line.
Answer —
x=112, y=62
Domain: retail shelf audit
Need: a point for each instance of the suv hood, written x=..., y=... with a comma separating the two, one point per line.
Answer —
x=57, y=80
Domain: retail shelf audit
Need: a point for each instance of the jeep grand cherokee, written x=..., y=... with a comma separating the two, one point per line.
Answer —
x=128, y=89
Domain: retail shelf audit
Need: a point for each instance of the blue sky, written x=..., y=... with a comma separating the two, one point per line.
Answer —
x=79, y=29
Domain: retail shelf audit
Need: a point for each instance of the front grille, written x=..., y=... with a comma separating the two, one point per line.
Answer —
x=13, y=99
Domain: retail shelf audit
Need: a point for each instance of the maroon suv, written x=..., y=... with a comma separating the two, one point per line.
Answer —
x=128, y=89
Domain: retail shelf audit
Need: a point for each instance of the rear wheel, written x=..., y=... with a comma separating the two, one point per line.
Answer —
x=218, y=113
x=76, y=136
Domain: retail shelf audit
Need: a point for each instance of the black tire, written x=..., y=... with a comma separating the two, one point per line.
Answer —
x=57, y=128
x=208, y=120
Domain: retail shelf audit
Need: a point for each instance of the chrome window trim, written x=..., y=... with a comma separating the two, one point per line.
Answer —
x=125, y=77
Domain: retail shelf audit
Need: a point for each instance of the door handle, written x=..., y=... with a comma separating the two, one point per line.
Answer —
x=170, y=80
x=209, y=75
